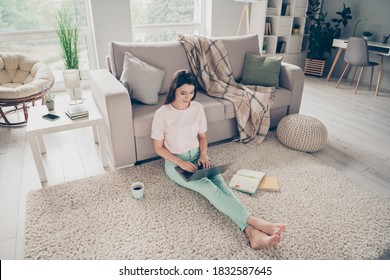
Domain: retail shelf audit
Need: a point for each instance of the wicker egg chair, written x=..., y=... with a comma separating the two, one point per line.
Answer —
x=23, y=81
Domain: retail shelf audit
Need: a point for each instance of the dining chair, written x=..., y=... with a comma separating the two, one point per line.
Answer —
x=356, y=55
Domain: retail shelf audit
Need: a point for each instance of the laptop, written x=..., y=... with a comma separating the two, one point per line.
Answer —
x=201, y=173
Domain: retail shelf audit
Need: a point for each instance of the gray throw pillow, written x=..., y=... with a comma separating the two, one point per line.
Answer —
x=261, y=70
x=142, y=81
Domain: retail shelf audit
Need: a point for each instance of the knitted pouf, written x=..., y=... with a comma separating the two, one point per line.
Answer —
x=302, y=133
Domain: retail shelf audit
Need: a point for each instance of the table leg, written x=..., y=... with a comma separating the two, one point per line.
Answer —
x=95, y=134
x=102, y=145
x=38, y=158
x=41, y=144
x=334, y=62
x=378, y=83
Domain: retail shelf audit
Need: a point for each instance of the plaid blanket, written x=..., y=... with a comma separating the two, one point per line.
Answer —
x=210, y=64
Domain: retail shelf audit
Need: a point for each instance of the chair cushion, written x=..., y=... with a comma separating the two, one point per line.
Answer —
x=141, y=80
x=261, y=70
x=22, y=76
x=15, y=67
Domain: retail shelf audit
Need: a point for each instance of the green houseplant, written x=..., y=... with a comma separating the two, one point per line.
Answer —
x=367, y=34
x=49, y=101
x=321, y=35
x=321, y=31
x=68, y=34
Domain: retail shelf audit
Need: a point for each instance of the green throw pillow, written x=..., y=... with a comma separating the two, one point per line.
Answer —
x=261, y=70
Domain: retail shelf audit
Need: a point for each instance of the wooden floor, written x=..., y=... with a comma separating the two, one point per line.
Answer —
x=358, y=145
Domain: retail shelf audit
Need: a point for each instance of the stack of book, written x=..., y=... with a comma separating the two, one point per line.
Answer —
x=77, y=111
x=267, y=29
x=248, y=181
x=286, y=9
x=281, y=47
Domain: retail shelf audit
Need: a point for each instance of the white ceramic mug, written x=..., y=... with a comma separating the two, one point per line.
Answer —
x=137, y=190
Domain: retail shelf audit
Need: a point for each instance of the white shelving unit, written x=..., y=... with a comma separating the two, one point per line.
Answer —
x=273, y=21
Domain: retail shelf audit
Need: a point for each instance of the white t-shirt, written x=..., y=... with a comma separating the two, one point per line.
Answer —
x=179, y=128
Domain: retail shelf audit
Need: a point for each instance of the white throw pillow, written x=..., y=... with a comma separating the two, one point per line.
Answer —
x=142, y=81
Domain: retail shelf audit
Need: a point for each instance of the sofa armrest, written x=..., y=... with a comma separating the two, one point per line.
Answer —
x=292, y=78
x=114, y=103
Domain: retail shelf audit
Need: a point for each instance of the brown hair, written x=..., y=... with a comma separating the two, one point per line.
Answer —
x=180, y=78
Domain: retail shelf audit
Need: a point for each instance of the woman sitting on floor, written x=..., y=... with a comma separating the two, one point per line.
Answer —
x=179, y=132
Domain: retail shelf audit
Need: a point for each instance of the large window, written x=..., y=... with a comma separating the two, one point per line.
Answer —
x=161, y=20
x=29, y=26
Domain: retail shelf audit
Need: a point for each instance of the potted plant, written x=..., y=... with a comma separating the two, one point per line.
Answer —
x=322, y=33
x=264, y=50
x=68, y=34
x=49, y=101
x=295, y=29
x=367, y=34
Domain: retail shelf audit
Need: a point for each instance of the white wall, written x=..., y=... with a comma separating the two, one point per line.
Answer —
x=378, y=22
x=111, y=22
x=225, y=18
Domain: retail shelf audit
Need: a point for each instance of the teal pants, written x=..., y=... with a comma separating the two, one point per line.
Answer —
x=214, y=190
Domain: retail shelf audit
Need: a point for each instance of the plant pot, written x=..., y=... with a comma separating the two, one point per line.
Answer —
x=366, y=38
x=314, y=67
x=50, y=105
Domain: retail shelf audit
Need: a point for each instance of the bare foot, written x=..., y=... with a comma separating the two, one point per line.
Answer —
x=265, y=226
x=260, y=240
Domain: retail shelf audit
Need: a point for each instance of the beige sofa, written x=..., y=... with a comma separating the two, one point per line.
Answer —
x=128, y=123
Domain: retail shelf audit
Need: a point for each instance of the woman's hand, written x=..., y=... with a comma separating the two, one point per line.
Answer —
x=187, y=166
x=205, y=162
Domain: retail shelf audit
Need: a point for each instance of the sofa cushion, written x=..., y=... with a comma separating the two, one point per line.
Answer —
x=171, y=56
x=141, y=80
x=236, y=47
x=282, y=99
x=167, y=56
x=143, y=115
x=261, y=70
x=213, y=109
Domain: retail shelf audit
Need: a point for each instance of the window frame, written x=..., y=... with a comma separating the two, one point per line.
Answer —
x=41, y=34
x=161, y=27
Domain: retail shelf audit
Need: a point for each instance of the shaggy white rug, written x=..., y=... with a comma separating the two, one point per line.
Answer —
x=327, y=215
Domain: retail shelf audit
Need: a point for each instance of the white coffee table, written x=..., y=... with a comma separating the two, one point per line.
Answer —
x=37, y=126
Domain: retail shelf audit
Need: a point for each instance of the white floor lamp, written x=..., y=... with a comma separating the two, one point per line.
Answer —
x=245, y=14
